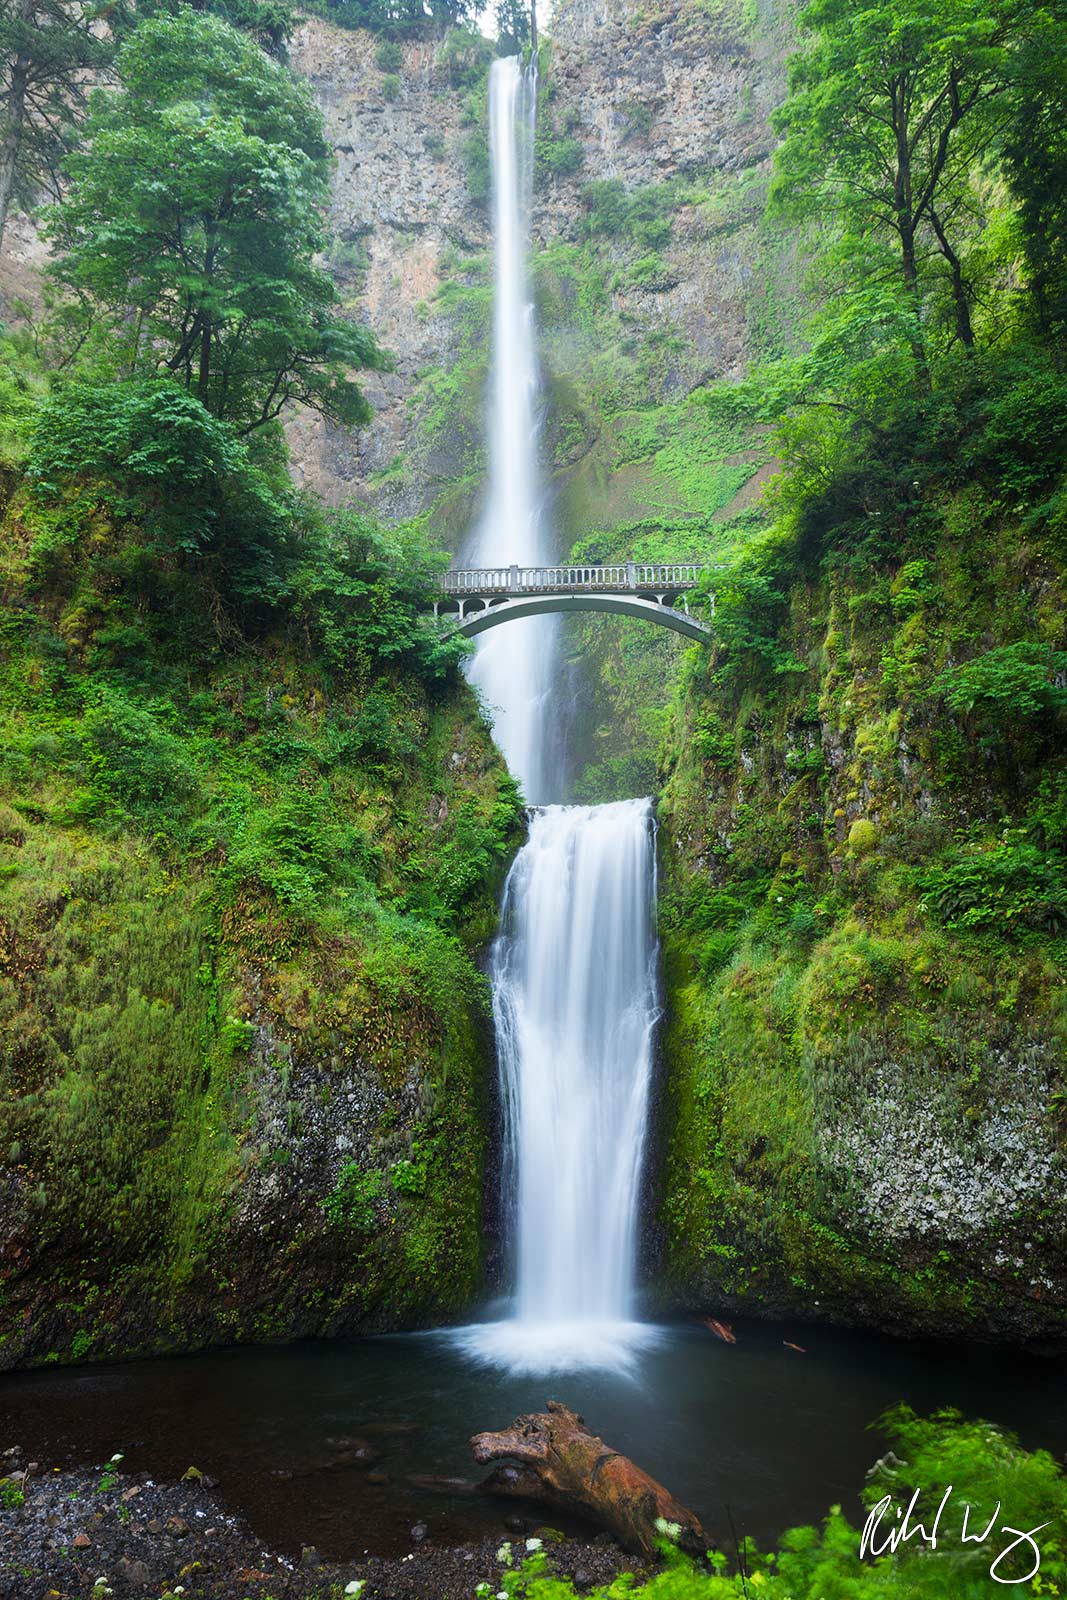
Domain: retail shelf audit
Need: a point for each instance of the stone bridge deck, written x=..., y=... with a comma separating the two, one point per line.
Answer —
x=484, y=597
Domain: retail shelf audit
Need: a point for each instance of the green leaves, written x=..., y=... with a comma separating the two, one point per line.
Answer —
x=192, y=221
x=1017, y=681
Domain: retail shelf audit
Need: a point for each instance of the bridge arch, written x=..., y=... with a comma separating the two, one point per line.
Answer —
x=493, y=614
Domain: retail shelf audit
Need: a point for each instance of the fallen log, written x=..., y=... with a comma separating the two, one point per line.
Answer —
x=551, y=1456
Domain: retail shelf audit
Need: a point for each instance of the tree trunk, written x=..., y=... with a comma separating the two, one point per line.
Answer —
x=959, y=288
x=551, y=1456
x=15, y=118
x=911, y=280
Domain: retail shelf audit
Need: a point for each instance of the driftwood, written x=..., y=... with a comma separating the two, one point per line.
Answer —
x=721, y=1330
x=551, y=1456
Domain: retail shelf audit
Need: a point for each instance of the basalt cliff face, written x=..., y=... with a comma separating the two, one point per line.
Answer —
x=667, y=106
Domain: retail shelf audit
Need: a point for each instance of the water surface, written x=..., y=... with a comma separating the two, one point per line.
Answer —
x=775, y=1436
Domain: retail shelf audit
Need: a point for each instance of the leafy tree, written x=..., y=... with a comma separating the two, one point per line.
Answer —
x=270, y=22
x=409, y=18
x=192, y=221
x=46, y=46
x=512, y=25
x=889, y=113
x=1036, y=160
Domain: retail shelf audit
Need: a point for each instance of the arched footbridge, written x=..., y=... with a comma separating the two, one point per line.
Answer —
x=484, y=597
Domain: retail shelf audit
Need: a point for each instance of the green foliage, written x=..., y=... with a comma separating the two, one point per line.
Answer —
x=191, y=222
x=389, y=56
x=1035, y=152
x=982, y=1466
x=885, y=124
x=641, y=216
x=1004, y=886
x=1010, y=683
x=749, y=608
x=352, y=1203
x=411, y=19
x=47, y=50
x=133, y=760
x=512, y=18
x=464, y=55
x=268, y=22
x=183, y=474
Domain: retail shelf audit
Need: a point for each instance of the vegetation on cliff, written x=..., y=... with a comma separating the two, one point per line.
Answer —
x=252, y=823
x=867, y=865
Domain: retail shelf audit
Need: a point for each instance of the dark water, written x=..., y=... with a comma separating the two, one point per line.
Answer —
x=775, y=1436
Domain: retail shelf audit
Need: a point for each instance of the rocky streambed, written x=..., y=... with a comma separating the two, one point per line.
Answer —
x=69, y=1532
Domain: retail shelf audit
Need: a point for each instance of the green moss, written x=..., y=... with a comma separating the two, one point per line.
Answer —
x=862, y=836
x=240, y=893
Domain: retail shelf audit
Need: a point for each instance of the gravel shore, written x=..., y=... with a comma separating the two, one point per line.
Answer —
x=73, y=1532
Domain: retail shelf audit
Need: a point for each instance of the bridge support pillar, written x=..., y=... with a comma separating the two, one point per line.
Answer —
x=631, y=574
x=513, y=577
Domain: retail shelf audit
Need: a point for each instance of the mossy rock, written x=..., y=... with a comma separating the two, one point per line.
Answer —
x=862, y=836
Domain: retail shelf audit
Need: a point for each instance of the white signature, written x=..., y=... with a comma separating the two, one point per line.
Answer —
x=902, y=1524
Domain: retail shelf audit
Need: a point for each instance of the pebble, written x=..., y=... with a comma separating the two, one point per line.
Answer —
x=134, y=1572
x=420, y=1532
x=81, y=1541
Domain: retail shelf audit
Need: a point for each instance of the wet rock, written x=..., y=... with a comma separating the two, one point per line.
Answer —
x=583, y=1580
x=309, y=1557
x=155, y=1526
x=81, y=1541
x=420, y=1532
x=177, y=1527
x=515, y=1524
x=133, y=1573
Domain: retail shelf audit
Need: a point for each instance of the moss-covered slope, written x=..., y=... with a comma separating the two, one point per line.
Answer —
x=866, y=895
x=243, y=1037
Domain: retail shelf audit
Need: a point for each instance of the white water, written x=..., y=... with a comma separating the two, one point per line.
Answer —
x=574, y=965
x=513, y=666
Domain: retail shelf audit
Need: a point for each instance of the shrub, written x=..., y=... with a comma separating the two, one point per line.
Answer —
x=132, y=759
x=389, y=56
x=1002, y=888
x=1022, y=680
x=163, y=458
x=1024, y=437
x=463, y=56
x=862, y=836
x=391, y=86
x=641, y=216
x=351, y=1204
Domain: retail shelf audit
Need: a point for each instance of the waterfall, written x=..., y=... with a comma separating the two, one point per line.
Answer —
x=513, y=666
x=574, y=964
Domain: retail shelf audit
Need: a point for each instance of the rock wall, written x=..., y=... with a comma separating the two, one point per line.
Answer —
x=642, y=98
x=861, y=922
x=400, y=204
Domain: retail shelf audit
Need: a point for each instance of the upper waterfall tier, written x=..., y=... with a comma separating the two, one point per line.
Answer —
x=515, y=672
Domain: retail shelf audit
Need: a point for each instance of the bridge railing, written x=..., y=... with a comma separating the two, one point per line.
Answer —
x=631, y=575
